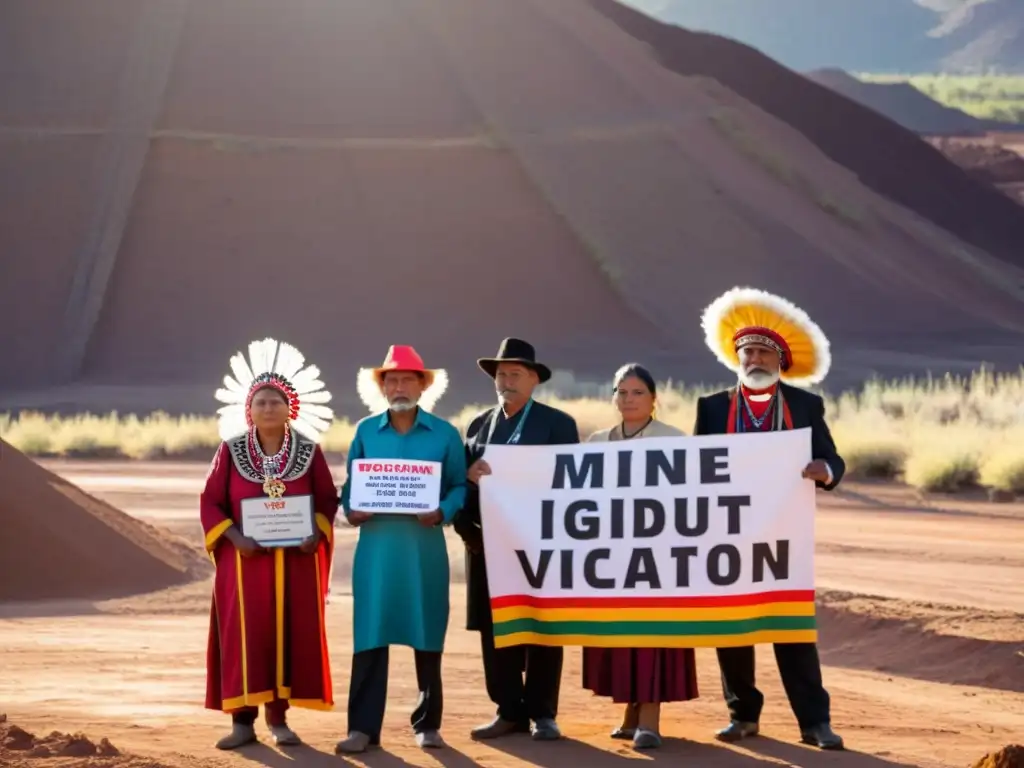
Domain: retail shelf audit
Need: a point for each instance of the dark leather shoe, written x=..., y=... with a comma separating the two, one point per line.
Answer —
x=496, y=728
x=822, y=736
x=737, y=730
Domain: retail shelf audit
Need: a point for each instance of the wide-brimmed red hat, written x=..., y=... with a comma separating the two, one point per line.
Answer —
x=401, y=357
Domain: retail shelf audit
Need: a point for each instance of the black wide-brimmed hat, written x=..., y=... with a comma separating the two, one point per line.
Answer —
x=514, y=351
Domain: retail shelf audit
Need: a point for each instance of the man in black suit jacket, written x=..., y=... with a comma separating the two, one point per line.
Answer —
x=761, y=354
x=517, y=419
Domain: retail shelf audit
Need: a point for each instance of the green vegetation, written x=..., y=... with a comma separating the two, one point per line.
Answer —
x=994, y=97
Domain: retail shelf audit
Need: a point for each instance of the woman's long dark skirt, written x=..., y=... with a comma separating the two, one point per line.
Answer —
x=641, y=675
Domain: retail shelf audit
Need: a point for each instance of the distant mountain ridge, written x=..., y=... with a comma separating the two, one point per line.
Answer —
x=906, y=105
x=956, y=36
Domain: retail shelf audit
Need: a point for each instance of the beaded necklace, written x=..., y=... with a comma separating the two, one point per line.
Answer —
x=271, y=467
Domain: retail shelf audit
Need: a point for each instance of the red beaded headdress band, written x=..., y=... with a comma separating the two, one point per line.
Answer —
x=744, y=316
x=765, y=337
x=278, y=383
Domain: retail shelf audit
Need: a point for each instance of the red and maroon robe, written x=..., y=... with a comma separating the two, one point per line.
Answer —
x=267, y=636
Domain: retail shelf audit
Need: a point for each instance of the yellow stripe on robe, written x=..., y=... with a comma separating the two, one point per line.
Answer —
x=215, y=533
x=325, y=526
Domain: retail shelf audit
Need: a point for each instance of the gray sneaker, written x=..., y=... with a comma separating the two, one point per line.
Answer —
x=737, y=730
x=355, y=743
x=545, y=729
x=240, y=736
x=429, y=740
x=494, y=729
x=645, y=739
x=284, y=736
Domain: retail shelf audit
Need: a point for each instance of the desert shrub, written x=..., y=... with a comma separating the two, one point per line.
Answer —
x=1003, y=465
x=870, y=443
x=944, y=463
x=939, y=434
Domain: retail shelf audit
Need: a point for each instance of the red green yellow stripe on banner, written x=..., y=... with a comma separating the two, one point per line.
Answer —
x=656, y=622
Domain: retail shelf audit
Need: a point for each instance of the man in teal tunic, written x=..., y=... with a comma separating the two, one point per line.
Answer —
x=400, y=571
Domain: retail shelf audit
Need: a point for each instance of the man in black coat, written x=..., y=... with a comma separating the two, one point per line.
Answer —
x=518, y=419
x=755, y=334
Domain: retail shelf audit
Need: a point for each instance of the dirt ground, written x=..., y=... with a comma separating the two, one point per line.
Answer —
x=923, y=653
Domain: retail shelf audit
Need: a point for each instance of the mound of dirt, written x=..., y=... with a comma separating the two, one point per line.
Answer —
x=528, y=156
x=1011, y=756
x=56, y=744
x=918, y=640
x=21, y=749
x=887, y=157
x=61, y=543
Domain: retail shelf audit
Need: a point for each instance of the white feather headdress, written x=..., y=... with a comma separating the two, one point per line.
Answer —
x=279, y=365
x=370, y=381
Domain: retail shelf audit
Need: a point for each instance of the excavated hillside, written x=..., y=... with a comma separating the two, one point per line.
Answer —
x=886, y=157
x=435, y=172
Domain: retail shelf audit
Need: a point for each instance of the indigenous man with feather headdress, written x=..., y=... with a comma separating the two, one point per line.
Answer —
x=268, y=644
x=400, y=571
x=774, y=348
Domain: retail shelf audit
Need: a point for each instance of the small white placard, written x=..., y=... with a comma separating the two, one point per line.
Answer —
x=284, y=522
x=395, y=486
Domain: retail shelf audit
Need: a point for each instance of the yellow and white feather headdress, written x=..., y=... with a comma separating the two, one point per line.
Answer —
x=744, y=316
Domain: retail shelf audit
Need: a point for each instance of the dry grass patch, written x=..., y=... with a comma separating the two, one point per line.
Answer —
x=940, y=434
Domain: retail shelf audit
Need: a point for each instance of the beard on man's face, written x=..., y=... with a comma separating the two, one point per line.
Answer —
x=756, y=377
x=401, y=404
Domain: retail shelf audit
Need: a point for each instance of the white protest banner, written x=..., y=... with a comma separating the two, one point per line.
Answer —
x=703, y=541
x=395, y=486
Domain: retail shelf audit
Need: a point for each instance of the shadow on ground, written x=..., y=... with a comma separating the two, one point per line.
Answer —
x=756, y=753
x=902, y=647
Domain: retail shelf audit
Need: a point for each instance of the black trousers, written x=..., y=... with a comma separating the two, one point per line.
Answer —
x=800, y=670
x=519, y=701
x=368, y=692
